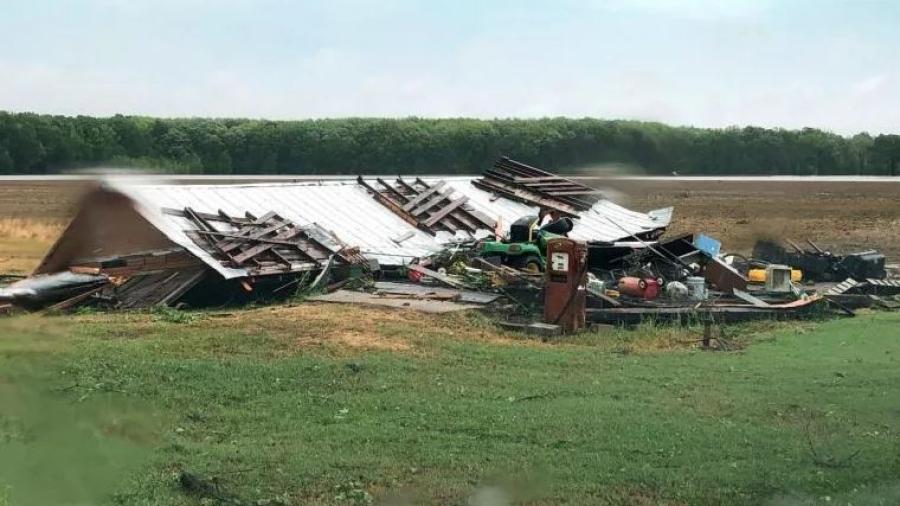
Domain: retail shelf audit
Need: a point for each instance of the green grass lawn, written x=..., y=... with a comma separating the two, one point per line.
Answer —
x=322, y=404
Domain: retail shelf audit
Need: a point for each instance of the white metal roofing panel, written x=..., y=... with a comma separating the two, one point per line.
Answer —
x=346, y=209
x=604, y=222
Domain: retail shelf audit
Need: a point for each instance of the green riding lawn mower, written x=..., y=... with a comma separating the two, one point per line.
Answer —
x=526, y=246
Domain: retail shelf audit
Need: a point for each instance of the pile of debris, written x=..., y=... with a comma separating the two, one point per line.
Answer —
x=568, y=257
x=686, y=279
x=135, y=246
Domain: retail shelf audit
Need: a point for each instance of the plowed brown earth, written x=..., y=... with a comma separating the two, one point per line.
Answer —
x=840, y=216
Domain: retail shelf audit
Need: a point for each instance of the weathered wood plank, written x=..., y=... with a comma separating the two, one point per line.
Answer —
x=435, y=200
x=436, y=217
x=418, y=199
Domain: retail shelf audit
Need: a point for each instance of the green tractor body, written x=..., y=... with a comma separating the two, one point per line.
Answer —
x=526, y=247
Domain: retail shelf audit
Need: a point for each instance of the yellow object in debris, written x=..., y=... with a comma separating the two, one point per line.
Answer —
x=612, y=293
x=759, y=275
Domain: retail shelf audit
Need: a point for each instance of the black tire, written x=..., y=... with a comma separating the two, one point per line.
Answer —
x=531, y=263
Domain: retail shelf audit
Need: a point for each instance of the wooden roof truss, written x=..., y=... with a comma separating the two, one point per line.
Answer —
x=429, y=207
x=269, y=244
x=533, y=186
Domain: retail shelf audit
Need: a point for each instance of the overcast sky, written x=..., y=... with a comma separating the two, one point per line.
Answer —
x=789, y=63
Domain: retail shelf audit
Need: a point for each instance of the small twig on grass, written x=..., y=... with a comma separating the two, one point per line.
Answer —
x=206, y=488
x=830, y=461
x=532, y=397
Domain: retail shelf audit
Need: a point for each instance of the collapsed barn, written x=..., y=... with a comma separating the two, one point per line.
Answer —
x=141, y=245
x=517, y=238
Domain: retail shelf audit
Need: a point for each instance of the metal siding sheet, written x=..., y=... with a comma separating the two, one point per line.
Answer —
x=347, y=209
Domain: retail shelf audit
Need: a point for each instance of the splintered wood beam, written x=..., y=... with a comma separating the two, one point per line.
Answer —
x=404, y=188
x=574, y=192
x=522, y=168
x=538, y=179
x=449, y=223
x=420, y=210
x=280, y=257
x=418, y=199
x=198, y=219
x=439, y=215
x=555, y=185
x=513, y=176
x=183, y=287
x=440, y=197
x=411, y=190
x=266, y=217
x=463, y=217
x=202, y=224
x=456, y=221
x=313, y=238
x=248, y=234
x=265, y=246
x=526, y=196
x=390, y=189
x=393, y=206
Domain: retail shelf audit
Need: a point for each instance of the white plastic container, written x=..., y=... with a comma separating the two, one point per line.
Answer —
x=696, y=287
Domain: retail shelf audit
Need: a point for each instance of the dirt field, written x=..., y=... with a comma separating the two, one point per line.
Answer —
x=841, y=216
x=837, y=215
x=31, y=217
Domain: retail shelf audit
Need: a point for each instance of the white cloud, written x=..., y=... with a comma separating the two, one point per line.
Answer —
x=870, y=85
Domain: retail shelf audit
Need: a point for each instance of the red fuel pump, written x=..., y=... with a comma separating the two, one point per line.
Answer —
x=564, y=293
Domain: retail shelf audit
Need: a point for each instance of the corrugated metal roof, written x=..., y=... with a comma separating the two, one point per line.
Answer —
x=346, y=208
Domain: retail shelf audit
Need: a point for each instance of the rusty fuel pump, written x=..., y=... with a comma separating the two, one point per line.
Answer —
x=566, y=276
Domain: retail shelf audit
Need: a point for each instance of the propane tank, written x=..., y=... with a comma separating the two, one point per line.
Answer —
x=632, y=286
x=647, y=289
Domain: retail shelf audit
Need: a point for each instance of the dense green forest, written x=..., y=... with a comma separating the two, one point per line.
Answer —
x=37, y=144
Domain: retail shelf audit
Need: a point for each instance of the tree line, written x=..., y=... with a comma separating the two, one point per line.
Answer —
x=40, y=144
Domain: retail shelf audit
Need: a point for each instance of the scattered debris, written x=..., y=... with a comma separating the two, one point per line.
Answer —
x=724, y=276
x=569, y=257
x=40, y=291
x=418, y=303
x=387, y=289
x=842, y=287
x=544, y=330
x=755, y=301
x=818, y=264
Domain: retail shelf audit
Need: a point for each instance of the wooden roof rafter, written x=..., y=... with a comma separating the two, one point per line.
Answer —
x=533, y=186
x=428, y=207
x=268, y=244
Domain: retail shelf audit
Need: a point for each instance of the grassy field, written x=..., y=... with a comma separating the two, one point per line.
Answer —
x=321, y=404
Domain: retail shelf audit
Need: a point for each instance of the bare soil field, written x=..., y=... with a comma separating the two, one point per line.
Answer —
x=31, y=217
x=838, y=215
